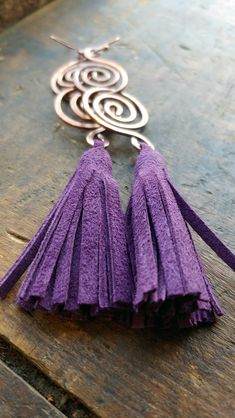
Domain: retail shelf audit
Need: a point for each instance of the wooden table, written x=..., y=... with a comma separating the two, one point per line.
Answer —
x=180, y=56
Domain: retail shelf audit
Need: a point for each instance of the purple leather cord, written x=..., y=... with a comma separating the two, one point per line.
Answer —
x=204, y=231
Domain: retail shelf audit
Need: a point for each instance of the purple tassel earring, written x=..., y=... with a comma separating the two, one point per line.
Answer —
x=77, y=262
x=171, y=287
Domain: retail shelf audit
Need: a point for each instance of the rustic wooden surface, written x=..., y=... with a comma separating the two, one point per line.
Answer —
x=12, y=11
x=180, y=60
x=20, y=400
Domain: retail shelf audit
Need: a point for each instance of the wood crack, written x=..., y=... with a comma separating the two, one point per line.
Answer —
x=16, y=236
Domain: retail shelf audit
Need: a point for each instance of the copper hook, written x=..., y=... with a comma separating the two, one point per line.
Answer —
x=62, y=42
x=103, y=47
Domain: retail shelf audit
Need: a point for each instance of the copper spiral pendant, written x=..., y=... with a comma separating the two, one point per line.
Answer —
x=89, y=94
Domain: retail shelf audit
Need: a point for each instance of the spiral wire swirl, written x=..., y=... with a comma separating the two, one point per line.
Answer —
x=89, y=94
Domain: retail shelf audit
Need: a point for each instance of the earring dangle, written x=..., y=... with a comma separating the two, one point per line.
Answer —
x=77, y=262
x=171, y=286
x=88, y=259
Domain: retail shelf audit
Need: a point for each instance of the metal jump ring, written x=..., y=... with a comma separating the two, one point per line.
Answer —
x=97, y=133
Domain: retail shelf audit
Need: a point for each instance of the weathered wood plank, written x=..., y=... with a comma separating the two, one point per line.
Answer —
x=180, y=59
x=20, y=400
x=11, y=11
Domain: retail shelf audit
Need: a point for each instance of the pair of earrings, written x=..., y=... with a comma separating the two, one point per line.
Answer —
x=88, y=259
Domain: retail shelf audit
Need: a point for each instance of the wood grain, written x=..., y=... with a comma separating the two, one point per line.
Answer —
x=12, y=11
x=20, y=400
x=180, y=60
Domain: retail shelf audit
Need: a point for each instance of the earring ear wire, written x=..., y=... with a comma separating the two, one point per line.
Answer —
x=62, y=42
x=103, y=47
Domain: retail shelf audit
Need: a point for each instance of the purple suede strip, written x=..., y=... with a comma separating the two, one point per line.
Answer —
x=88, y=270
x=122, y=286
x=204, y=231
x=214, y=303
x=64, y=261
x=104, y=260
x=141, y=250
x=71, y=303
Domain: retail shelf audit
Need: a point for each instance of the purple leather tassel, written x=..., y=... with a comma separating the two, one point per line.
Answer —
x=171, y=287
x=78, y=263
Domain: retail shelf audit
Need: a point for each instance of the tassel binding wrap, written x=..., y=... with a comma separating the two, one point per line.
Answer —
x=78, y=262
x=171, y=287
